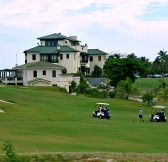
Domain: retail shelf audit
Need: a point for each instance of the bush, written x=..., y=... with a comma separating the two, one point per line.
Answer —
x=96, y=93
x=112, y=94
x=148, y=98
x=10, y=154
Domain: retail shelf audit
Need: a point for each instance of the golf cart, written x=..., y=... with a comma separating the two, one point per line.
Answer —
x=158, y=113
x=102, y=111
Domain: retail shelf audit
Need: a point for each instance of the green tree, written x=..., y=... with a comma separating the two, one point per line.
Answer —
x=117, y=69
x=125, y=86
x=97, y=71
x=73, y=86
x=164, y=94
x=146, y=66
x=160, y=63
x=148, y=97
x=82, y=85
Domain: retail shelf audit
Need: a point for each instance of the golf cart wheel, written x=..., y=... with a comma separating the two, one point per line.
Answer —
x=100, y=117
x=156, y=120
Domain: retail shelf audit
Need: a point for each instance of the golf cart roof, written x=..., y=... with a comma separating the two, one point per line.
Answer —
x=102, y=104
x=159, y=107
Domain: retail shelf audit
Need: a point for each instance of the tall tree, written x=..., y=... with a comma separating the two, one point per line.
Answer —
x=118, y=69
x=146, y=66
x=97, y=71
x=160, y=63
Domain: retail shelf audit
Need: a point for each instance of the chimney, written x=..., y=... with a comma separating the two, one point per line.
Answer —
x=59, y=34
x=73, y=37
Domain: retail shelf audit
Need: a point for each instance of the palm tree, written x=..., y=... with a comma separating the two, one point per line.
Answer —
x=163, y=59
x=125, y=86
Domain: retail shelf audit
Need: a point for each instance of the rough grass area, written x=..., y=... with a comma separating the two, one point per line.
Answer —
x=89, y=157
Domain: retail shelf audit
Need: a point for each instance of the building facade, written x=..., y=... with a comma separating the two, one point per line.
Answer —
x=67, y=52
x=49, y=63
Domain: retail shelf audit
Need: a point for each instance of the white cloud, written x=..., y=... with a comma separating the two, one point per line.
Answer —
x=38, y=18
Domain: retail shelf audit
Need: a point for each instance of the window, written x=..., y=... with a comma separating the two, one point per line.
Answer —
x=99, y=58
x=91, y=58
x=67, y=56
x=49, y=58
x=51, y=43
x=25, y=61
x=34, y=57
x=35, y=74
x=74, y=56
x=44, y=72
x=53, y=73
x=61, y=56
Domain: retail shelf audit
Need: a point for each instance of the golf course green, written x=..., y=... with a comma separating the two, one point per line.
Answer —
x=44, y=119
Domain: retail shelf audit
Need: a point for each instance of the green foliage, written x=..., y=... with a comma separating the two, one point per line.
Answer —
x=96, y=93
x=160, y=64
x=10, y=154
x=125, y=86
x=97, y=71
x=62, y=89
x=148, y=97
x=82, y=85
x=73, y=87
x=112, y=94
x=164, y=94
x=118, y=69
x=163, y=83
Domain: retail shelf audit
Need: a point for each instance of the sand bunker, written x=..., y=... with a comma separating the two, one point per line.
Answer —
x=1, y=111
x=6, y=102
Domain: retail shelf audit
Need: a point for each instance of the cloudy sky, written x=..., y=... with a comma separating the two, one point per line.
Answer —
x=125, y=26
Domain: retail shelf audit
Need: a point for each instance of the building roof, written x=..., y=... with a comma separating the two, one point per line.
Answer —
x=58, y=36
x=96, y=81
x=51, y=50
x=96, y=52
x=84, y=53
x=39, y=65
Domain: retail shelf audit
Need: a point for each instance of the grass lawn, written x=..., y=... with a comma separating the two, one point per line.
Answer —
x=149, y=83
x=46, y=120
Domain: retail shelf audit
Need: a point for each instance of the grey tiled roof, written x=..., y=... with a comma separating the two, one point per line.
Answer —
x=96, y=81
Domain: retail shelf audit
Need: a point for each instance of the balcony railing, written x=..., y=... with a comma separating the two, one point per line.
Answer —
x=83, y=61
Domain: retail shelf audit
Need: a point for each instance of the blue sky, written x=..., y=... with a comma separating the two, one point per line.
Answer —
x=125, y=26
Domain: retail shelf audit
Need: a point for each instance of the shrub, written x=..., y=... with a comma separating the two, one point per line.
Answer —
x=10, y=154
x=148, y=97
x=112, y=94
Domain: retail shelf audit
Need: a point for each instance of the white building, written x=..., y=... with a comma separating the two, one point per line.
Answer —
x=67, y=52
x=55, y=54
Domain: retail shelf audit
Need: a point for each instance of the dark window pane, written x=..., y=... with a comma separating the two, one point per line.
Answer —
x=53, y=73
x=34, y=74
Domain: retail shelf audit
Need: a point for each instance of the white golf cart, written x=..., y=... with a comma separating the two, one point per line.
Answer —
x=102, y=111
x=158, y=113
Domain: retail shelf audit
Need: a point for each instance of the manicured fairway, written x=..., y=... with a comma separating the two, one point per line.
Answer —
x=46, y=120
x=149, y=83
